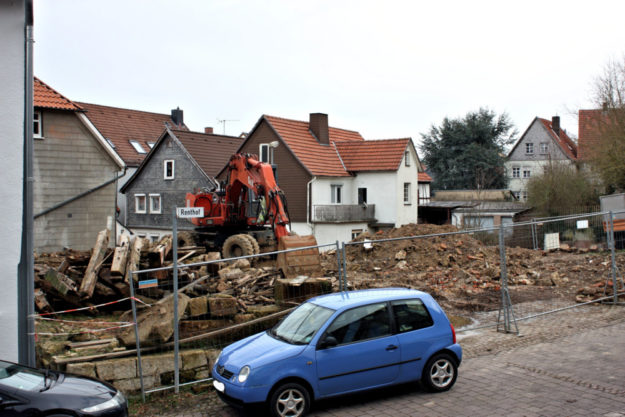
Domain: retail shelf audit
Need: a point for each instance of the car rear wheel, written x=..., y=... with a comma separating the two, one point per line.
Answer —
x=290, y=400
x=440, y=373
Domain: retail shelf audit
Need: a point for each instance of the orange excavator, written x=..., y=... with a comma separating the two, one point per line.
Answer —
x=248, y=216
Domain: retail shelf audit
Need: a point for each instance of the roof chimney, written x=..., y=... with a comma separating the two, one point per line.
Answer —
x=208, y=130
x=176, y=117
x=319, y=127
x=555, y=125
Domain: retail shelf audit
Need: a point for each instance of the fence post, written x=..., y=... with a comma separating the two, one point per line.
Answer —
x=506, y=304
x=613, y=253
x=344, y=268
x=176, y=338
x=338, y=265
x=137, y=343
x=534, y=234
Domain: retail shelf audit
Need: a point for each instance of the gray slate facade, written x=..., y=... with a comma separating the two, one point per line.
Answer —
x=180, y=162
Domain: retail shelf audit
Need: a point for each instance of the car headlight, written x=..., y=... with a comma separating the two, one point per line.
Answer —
x=244, y=373
x=116, y=401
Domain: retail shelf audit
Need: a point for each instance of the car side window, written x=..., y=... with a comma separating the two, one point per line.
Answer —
x=361, y=323
x=411, y=315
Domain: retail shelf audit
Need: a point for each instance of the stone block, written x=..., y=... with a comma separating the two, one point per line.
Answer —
x=230, y=273
x=115, y=369
x=211, y=356
x=243, y=318
x=85, y=369
x=197, y=306
x=222, y=306
x=192, y=359
x=157, y=364
x=263, y=310
x=134, y=384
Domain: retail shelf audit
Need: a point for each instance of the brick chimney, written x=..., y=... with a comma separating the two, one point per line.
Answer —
x=318, y=125
x=177, y=117
x=208, y=130
x=555, y=125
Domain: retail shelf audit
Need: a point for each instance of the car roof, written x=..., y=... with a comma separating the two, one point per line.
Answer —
x=347, y=299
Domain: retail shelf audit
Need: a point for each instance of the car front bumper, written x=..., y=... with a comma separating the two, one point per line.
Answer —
x=238, y=395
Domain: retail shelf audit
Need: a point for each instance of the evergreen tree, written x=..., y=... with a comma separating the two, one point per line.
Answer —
x=468, y=153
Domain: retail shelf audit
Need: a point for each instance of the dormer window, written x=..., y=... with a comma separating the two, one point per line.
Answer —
x=137, y=146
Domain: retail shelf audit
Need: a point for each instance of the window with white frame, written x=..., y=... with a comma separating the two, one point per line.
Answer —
x=37, y=125
x=155, y=203
x=406, y=193
x=137, y=146
x=151, y=144
x=154, y=238
x=516, y=194
x=337, y=193
x=516, y=172
x=407, y=158
x=168, y=169
x=263, y=152
x=524, y=195
x=544, y=147
x=529, y=148
x=356, y=233
x=140, y=204
x=527, y=173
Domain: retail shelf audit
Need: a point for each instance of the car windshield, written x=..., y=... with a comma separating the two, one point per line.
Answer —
x=16, y=376
x=300, y=326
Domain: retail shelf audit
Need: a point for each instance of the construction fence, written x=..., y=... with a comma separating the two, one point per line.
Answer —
x=491, y=277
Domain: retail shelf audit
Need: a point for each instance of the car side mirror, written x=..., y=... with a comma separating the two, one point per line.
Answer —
x=328, y=341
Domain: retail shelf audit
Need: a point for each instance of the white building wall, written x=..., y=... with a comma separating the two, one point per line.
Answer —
x=12, y=96
x=326, y=233
x=407, y=212
x=381, y=191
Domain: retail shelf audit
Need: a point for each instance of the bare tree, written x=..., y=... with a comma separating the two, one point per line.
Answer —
x=609, y=95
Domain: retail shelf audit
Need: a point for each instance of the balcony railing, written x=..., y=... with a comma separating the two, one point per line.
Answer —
x=343, y=213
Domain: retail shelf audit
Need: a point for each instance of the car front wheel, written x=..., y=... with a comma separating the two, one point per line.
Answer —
x=290, y=400
x=440, y=373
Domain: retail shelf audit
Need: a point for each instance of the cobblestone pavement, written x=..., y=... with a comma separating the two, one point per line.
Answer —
x=570, y=363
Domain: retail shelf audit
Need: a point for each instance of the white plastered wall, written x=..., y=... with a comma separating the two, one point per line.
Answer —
x=12, y=95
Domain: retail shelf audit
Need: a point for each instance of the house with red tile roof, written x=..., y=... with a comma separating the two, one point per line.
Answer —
x=338, y=184
x=131, y=133
x=543, y=142
x=179, y=162
x=75, y=174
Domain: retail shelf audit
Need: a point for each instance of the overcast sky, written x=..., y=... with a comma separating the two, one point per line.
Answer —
x=387, y=69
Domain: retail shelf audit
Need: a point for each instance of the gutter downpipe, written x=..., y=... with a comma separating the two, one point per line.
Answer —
x=25, y=273
x=308, y=205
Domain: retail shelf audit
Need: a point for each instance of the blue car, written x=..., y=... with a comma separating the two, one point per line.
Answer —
x=338, y=344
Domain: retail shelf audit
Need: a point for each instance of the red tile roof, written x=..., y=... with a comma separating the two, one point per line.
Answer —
x=211, y=152
x=372, y=155
x=321, y=160
x=589, y=132
x=424, y=177
x=120, y=126
x=566, y=144
x=45, y=96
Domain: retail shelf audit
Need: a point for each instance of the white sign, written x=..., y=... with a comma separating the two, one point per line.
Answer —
x=582, y=224
x=189, y=212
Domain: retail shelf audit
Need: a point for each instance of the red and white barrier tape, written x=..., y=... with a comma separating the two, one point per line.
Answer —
x=90, y=307
x=83, y=321
x=81, y=332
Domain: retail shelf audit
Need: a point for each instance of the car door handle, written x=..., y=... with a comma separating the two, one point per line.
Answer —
x=391, y=347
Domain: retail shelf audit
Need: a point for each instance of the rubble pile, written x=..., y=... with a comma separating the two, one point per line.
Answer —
x=461, y=269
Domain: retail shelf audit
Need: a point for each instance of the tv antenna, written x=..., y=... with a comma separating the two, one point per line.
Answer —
x=223, y=123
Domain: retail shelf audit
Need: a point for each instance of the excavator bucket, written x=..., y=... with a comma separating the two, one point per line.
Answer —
x=299, y=262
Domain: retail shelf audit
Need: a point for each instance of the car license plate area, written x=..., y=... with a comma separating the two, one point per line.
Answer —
x=219, y=386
